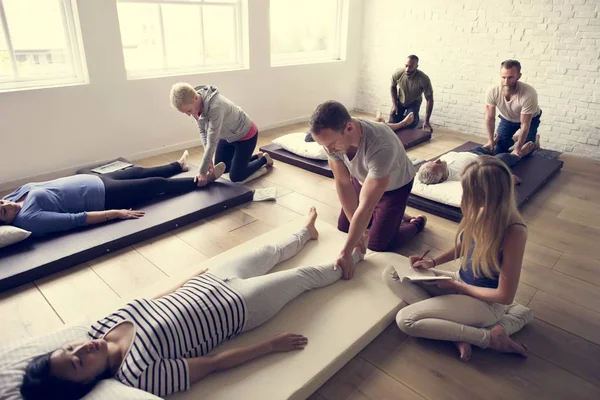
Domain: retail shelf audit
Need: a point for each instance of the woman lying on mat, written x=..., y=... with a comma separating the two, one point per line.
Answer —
x=226, y=131
x=160, y=345
x=475, y=306
x=79, y=200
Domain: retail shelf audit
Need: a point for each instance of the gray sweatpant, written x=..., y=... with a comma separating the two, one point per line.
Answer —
x=433, y=313
x=265, y=295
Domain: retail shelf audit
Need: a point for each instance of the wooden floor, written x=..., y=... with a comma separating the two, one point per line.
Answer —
x=560, y=282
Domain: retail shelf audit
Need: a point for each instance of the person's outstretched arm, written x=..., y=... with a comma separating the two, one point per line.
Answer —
x=98, y=217
x=45, y=222
x=201, y=367
x=215, y=123
x=428, y=111
x=428, y=93
x=370, y=195
x=394, y=93
x=344, y=188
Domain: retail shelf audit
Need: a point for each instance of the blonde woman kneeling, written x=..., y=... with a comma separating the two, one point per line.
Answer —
x=475, y=307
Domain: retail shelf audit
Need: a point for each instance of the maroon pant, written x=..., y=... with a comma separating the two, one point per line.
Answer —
x=386, y=231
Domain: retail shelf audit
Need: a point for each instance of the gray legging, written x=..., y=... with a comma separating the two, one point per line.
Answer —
x=265, y=295
x=435, y=313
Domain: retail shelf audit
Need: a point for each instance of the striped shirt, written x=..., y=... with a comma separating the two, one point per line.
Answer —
x=188, y=323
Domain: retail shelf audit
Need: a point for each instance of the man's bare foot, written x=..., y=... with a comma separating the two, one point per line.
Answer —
x=420, y=221
x=408, y=119
x=501, y=342
x=269, y=159
x=183, y=161
x=310, y=224
x=464, y=349
x=525, y=150
x=407, y=217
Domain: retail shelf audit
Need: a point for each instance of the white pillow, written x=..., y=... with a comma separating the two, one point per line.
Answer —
x=447, y=192
x=450, y=191
x=294, y=143
x=14, y=359
x=11, y=234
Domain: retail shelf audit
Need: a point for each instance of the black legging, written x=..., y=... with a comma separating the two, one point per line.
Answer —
x=238, y=158
x=127, y=188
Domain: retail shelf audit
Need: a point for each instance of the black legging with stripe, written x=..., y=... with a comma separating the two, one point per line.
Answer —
x=129, y=187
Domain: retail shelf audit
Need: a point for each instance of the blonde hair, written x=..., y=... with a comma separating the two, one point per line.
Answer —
x=488, y=207
x=181, y=94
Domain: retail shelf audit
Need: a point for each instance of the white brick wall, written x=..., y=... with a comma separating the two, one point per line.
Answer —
x=461, y=45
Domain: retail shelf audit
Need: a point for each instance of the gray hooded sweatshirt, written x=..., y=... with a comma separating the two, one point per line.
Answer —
x=220, y=119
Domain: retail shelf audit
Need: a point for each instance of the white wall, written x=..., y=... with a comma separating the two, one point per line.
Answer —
x=461, y=45
x=60, y=129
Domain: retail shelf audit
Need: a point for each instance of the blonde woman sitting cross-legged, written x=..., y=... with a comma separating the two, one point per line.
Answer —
x=476, y=306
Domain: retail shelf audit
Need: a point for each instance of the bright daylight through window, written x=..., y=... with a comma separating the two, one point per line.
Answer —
x=163, y=37
x=39, y=44
x=306, y=31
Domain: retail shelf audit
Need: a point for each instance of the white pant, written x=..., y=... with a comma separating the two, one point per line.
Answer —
x=265, y=295
x=434, y=314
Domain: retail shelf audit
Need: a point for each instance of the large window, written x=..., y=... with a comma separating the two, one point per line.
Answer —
x=162, y=37
x=306, y=31
x=39, y=44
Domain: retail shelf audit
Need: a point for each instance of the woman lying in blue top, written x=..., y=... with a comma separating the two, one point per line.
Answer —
x=79, y=200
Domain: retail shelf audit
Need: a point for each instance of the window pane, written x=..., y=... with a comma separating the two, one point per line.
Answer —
x=219, y=34
x=183, y=35
x=37, y=30
x=141, y=36
x=178, y=36
x=297, y=28
x=5, y=67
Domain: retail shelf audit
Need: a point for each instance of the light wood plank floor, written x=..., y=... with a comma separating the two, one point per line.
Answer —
x=560, y=282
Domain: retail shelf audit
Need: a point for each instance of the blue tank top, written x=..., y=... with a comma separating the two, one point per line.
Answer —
x=467, y=275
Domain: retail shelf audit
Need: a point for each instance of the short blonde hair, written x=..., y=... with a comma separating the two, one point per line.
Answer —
x=181, y=94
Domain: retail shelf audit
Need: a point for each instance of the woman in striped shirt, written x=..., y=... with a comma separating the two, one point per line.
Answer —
x=160, y=345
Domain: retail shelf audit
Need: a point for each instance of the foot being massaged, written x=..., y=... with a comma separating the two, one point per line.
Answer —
x=80, y=200
x=161, y=345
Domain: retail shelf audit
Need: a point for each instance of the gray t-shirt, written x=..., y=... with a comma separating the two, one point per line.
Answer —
x=379, y=154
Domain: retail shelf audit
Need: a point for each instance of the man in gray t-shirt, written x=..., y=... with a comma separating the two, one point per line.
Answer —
x=373, y=178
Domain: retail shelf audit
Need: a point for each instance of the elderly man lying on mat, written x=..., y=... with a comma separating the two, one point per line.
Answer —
x=452, y=164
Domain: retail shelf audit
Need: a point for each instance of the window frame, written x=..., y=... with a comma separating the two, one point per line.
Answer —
x=316, y=57
x=239, y=41
x=75, y=54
